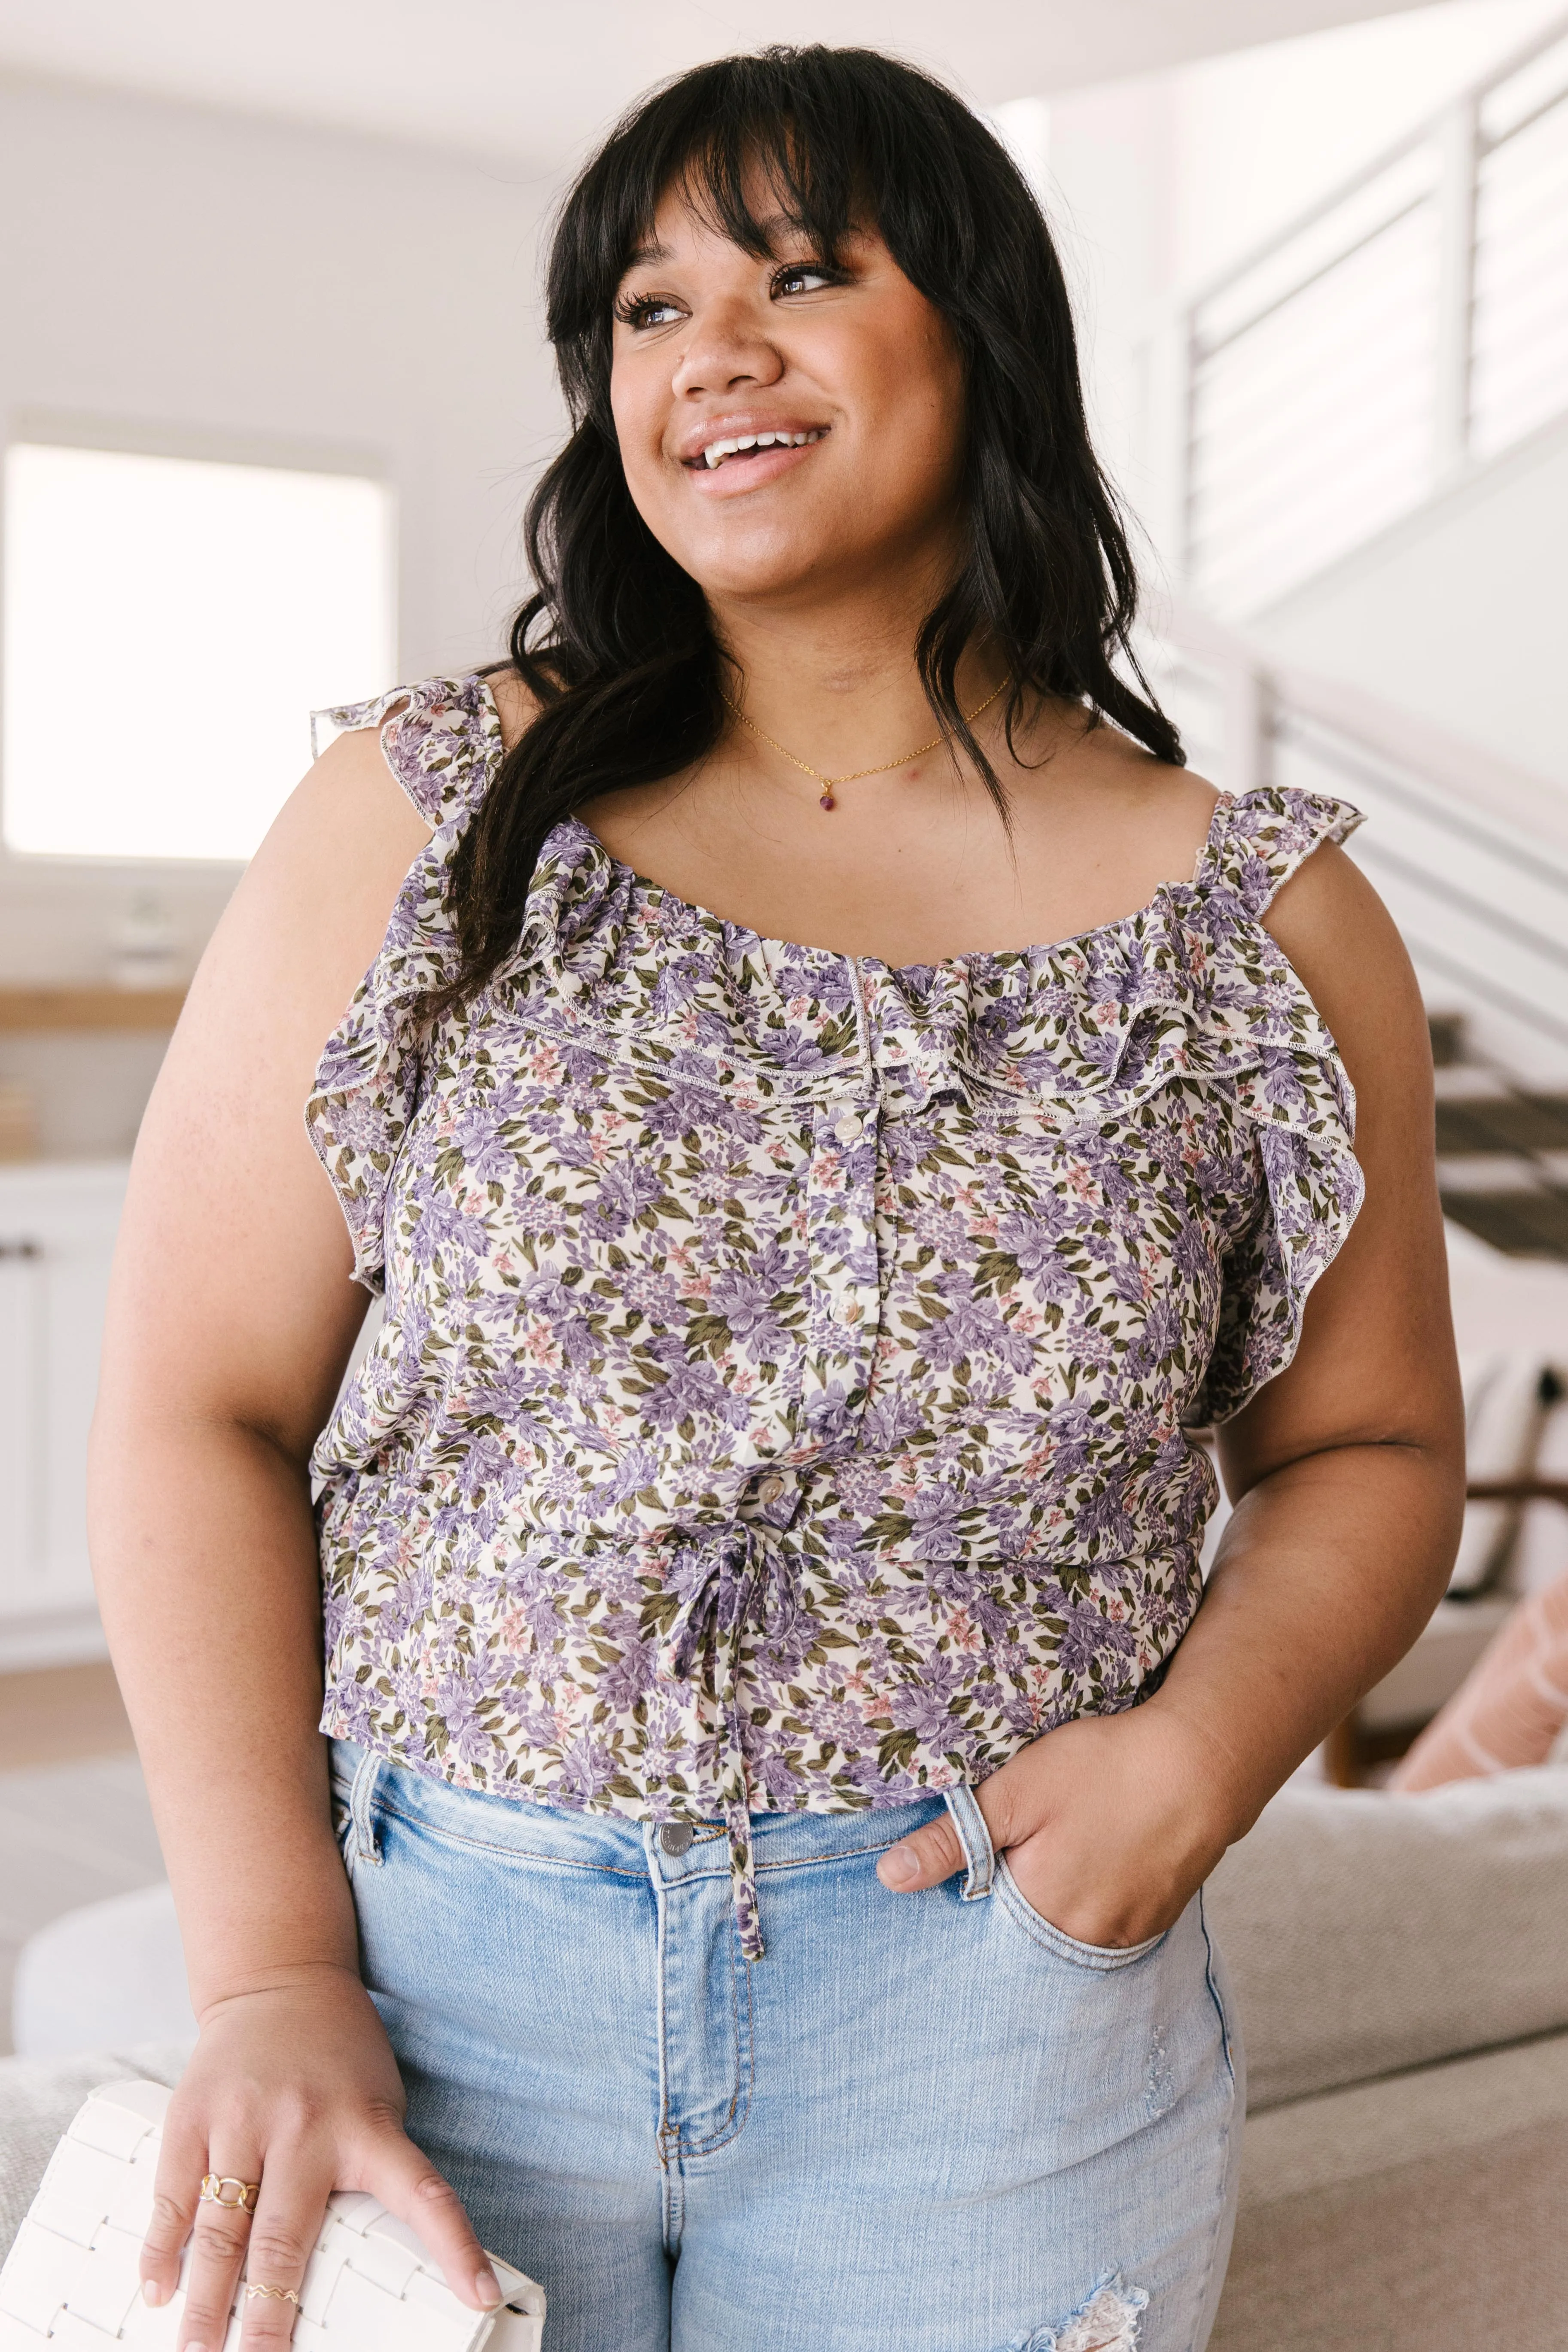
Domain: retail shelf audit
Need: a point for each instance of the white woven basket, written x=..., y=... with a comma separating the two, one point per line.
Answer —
x=72, y=2280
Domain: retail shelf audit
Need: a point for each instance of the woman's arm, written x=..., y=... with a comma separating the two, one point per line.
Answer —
x=1348, y=1474
x=231, y=1318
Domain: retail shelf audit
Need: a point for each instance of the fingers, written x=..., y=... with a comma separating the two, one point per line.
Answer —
x=924, y=1859
x=283, y=2239
x=408, y=2185
x=933, y=1853
x=182, y=2160
x=218, y=2240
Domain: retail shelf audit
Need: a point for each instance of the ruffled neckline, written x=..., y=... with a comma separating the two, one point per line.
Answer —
x=611, y=969
x=609, y=959
x=738, y=940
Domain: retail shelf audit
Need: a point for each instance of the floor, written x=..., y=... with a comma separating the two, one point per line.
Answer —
x=75, y=1823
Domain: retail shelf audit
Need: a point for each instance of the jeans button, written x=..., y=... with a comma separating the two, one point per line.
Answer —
x=676, y=1836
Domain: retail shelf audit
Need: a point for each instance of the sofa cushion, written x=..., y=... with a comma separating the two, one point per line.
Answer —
x=1367, y=1932
x=1420, y=2214
x=111, y=1974
x=38, y=2097
x=1511, y=1707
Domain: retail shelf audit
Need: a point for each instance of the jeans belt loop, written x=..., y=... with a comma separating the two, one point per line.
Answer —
x=361, y=1799
x=975, y=1838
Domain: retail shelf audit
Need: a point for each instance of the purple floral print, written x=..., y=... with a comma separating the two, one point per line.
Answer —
x=784, y=1390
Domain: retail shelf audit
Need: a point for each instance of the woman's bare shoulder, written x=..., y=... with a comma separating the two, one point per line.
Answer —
x=1346, y=949
x=311, y=908
x=1163, y=814
x=517, y=704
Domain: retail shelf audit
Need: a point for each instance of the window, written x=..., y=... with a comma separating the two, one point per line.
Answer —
x=170, y=623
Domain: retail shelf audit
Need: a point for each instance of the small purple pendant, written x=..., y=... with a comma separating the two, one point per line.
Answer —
x=827, y=800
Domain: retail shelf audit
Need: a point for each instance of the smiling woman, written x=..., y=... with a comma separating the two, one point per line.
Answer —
x=834, y=1108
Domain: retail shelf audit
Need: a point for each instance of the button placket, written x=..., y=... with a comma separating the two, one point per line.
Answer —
x=844, y=1294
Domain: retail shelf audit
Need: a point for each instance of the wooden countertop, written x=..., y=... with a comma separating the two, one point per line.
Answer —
x=89, y=1008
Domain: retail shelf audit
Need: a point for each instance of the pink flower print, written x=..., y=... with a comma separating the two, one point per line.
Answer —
x=465, y=1470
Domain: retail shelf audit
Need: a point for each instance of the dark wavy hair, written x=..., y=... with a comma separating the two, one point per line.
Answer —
x=616, y=641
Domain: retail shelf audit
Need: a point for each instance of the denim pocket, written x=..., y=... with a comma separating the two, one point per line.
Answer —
x=355, y=1772
x=987, y=1875
x=1100, y=1958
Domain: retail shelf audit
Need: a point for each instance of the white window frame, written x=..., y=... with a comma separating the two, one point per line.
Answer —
x=142, y=438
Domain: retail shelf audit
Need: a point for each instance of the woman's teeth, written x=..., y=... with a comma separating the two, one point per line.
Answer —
x=717, y=451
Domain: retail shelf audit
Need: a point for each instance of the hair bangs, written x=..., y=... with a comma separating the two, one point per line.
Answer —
x=750, y=143
x=615, y=639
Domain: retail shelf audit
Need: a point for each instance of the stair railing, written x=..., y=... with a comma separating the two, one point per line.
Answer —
x=1471, y=856
x=1410, y=323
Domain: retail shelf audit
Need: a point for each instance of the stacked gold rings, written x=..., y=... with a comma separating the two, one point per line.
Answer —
x=215, y=2187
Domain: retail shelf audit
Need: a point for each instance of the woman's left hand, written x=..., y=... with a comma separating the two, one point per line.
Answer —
x=1109, y=1826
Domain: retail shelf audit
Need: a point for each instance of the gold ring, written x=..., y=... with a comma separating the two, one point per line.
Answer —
x=276, y=2294
x=215, y=2184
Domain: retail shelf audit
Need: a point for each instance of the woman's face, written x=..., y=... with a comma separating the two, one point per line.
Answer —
x=848, y=366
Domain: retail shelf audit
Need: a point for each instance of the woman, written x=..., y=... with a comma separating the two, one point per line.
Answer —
x=776, y=1748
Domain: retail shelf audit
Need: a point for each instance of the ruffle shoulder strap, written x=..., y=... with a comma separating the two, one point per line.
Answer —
x=442, y=740
x=1274, y=1057
x=1259, y=839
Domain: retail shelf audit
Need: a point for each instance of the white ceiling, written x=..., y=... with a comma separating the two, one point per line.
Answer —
x=521, y=79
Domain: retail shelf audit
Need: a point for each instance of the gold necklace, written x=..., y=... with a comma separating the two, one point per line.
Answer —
x=828, y=784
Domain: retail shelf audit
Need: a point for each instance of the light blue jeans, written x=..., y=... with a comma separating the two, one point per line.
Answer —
x=923, y=2123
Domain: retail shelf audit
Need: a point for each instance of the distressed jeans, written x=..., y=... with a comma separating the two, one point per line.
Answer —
x=922, y=2122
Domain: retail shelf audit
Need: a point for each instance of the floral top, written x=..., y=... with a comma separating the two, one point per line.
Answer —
x=784, y=1391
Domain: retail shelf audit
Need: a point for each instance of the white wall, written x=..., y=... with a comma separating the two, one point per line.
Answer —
x=1259, y=135
x=1157, y=181
x=255, y=284
x=272, y=289
x=1460, y=613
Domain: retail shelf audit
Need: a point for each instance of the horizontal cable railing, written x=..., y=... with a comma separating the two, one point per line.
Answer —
x=1480, y=895
x=1410, y=323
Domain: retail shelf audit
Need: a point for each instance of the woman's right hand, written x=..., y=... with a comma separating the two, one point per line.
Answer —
x=293, y=2085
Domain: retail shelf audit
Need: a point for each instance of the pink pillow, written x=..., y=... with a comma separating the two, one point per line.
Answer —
x=1511, y=1708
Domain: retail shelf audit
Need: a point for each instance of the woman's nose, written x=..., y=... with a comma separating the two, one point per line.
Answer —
x=725, y=351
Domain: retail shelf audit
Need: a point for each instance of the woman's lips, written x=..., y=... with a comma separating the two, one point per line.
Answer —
x=748, y=469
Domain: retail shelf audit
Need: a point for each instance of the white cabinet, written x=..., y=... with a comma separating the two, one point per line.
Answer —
x=57, y=1222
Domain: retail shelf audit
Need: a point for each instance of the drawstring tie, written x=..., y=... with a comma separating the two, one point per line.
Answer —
x=724, y=1581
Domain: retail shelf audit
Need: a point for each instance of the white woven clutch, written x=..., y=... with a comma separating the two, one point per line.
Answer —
x=71, y=2280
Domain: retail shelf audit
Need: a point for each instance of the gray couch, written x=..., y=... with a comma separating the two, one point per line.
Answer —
x=1400, y=1966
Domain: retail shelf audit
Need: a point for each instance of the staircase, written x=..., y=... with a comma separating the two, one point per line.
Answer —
x=1472, y=859
x=1391, y=340
x=1502, y=1152
x=1388, y=344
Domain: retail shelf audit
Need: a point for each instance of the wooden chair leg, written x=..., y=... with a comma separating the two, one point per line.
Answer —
x=1343, y=1754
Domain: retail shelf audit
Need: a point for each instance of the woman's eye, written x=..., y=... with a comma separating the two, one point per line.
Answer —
x=802, y=278
x=647, y=310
